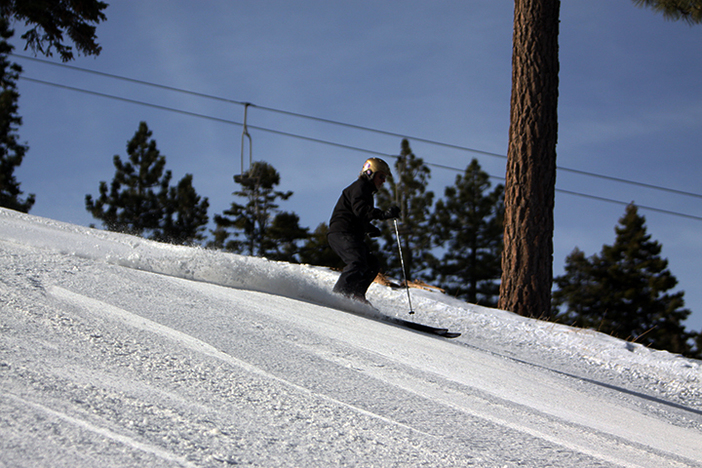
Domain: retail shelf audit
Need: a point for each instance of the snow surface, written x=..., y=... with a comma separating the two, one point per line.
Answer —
x=118, y=351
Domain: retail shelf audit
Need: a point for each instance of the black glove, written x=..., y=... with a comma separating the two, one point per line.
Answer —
x=373, y=231
x=392, y=213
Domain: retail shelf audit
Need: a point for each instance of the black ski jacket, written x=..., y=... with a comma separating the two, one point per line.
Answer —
x=354, y=211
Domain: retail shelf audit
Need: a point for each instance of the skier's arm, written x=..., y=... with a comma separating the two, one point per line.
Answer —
x=362, y=206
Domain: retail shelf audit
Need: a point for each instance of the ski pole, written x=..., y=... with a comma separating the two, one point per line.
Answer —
x=402, y=263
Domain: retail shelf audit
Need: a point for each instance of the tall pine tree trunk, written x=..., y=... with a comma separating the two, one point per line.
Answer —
x=527, y=259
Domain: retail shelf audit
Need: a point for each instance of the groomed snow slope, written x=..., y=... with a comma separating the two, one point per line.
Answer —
x=117, y=351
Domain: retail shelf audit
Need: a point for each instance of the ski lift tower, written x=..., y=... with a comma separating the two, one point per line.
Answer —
x=245, y=177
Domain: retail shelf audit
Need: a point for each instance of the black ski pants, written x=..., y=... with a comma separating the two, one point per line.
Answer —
x=361, y=265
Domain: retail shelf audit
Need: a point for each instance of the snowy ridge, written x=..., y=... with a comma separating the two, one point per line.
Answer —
x=118, y=351
x=224, y=269
x=314, y=284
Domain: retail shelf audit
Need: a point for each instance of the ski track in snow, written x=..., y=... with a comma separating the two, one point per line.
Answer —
x=163, y=363
x=101, y=308
x=618, y=448
x=157, y=451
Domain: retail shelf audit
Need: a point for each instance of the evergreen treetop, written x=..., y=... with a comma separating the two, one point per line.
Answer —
x=625, y=291
x=258, y=227
x=51, y=19
x=467, y=224
x=408, y=190
x=140, y=200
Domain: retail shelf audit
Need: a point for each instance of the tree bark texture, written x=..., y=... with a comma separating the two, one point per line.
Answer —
x=527, y=259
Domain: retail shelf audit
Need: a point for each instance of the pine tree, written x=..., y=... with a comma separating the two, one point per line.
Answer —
x=141, y=202
x=467, y=223
x=408, y=190
x=185, y=214
x=579, y=287
x=688, y=10
x=527, y=265
x=45, y=22
x=48, y=20
x=284, y=234
x=316, y=250
x=132, y=204
x=624, y=291
x=251, y=223
x=11, y=151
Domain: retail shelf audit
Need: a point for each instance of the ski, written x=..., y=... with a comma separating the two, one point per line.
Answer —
x=382, y=317
x=443, y=332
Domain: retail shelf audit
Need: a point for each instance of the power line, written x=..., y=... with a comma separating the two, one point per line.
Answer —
x=619, y=202
x=130, y=80
x=631, y=182
x=207, y=117
x=353, y=126
x=591, y=197
x=270, y=109
x=325, y=142
x=131, y=101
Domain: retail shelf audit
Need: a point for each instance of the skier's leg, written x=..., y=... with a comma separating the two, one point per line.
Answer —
x=373, y=267
x=353, y=252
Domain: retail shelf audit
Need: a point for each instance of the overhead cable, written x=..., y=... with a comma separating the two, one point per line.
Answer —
x=325, y=142
x=357, y=127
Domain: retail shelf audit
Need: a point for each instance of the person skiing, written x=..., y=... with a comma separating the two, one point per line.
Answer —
x=351, y=221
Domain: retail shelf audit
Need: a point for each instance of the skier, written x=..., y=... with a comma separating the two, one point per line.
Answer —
x=351, y=221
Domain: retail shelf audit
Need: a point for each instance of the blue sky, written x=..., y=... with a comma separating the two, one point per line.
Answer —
x=439, y=71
